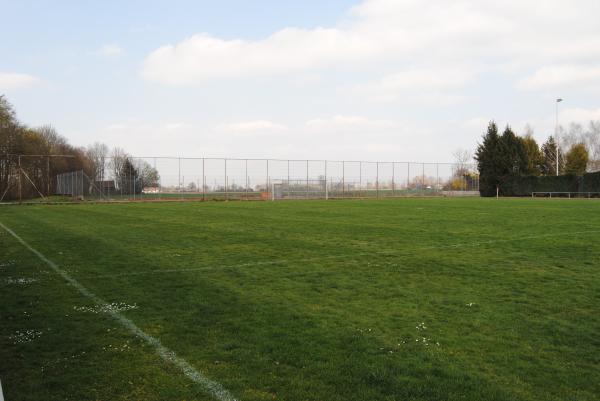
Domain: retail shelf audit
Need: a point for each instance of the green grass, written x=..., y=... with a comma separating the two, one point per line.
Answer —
x=509, y=289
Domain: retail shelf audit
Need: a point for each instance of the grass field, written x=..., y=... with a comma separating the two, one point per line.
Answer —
x=410, y=299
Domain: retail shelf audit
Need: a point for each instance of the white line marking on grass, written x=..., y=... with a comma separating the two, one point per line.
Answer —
x=391, y=252
x=212, y=387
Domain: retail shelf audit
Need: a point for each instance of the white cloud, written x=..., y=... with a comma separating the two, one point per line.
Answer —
x=202, y=57
x=117, y=127
x=579, y=115
x=175, y=126
x=511, y=34
x=563, y=76
x=253, y=127
x=110, y=50
x=16, y=81
x=345, y=123
x=420, y=82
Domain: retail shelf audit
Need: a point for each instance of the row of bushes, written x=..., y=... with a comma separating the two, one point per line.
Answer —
x=524, y=186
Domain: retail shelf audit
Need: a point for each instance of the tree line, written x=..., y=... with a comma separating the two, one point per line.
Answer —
x=32, y=157
x=501, y=157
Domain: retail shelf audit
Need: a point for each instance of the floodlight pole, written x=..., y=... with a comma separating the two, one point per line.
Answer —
x=556, y=136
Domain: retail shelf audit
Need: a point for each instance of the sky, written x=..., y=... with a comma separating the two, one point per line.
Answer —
x=393, y=80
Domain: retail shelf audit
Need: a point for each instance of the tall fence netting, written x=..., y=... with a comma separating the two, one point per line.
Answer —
x=160, y=178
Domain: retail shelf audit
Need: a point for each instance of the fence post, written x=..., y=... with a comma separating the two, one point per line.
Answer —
x=20, y=188
x=159, y=186
x=407, y=176
x=343, y=178
x=393, y=179
x=246, y=173
x=179, y=179
x=48, y=175
x=203, y=181
x=226, y=189
x=359, y=179
x=326, y=193
x=422, y=175
x=377, y=181
x=437, y=174
x=267, y=189
x=307, y=179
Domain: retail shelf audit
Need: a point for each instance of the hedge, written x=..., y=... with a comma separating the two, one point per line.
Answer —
x=525, y=185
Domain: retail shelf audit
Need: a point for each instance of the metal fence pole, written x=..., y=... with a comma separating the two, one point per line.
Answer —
x=393, y=179
x=359, y=179
x=157, y=183
x=203, y=181
x=48, y=175
x=246, y=186
x=407, y=176
x=437, y=172
x=423, y=176
x=377, y=181
x=267, y=183
x=20, y=188
x=326, y=192
x=179, y=179
x=343, y=179
x=307, y=179
x=226, y=189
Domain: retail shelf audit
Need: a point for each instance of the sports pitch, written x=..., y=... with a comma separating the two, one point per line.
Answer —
x=410, y=299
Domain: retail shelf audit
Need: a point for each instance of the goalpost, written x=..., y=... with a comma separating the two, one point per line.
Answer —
x=569, y=195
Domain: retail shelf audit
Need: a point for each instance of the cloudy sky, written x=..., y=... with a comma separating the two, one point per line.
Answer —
x=337, y=79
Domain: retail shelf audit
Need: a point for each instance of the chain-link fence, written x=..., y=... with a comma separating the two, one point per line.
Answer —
x=33, y=177
x=162, y=178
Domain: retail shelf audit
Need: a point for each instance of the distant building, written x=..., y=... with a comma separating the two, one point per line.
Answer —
x=150, y=190
x=108, y=185
x=593, y=166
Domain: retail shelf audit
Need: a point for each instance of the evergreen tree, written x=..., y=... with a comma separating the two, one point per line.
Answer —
x=487, y=156
x=499, y=158
x=576, y=159
x=549, y=157
x=128, y=178
x=512, y=154
x=535, y=159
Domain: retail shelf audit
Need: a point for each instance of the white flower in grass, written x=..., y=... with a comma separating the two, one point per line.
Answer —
x=113, y=307
x=26, y=336
x=20, y=280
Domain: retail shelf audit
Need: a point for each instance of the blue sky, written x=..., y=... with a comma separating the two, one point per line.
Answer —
x=371, y=79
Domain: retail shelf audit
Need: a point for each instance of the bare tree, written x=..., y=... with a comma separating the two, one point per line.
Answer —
x=463, y=159
x=118, y=157
x=97, y=154
x=576, y=134
x=570, y=137
x=591, y=140
x=148, y=175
